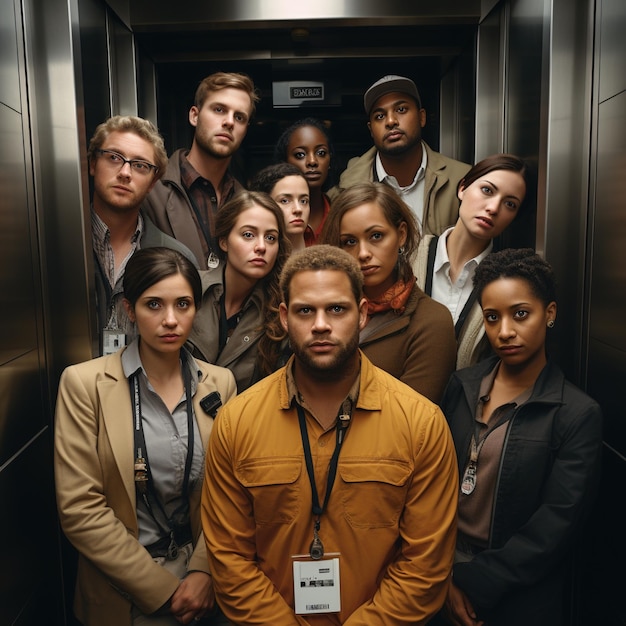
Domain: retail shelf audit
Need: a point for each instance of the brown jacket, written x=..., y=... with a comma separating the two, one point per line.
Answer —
x=418, y=347
x=441, y=204
x=169, y=207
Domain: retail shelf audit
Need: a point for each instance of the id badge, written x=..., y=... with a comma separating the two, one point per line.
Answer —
x=212, y=261
x=316, y=586
x=112, y=340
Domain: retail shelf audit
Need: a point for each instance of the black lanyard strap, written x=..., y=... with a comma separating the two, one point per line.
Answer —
x=208, y=238
x=343, y=422
x=145, y=485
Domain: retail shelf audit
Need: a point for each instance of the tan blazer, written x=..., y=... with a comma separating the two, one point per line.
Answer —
x=94, y=475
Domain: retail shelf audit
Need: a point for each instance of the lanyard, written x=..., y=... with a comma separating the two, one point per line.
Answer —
x=470, y=475
x=210, y=241
x=343, y=421
x=428, y=288
x=143, y=476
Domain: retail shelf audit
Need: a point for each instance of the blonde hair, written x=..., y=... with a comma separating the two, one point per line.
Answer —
x=131, y=124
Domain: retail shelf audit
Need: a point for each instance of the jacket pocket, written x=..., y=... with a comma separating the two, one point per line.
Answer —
x=374, y=491
x=274, y=487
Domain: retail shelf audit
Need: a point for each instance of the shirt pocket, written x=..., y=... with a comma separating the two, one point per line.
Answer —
x=273, y=485
x=374, y=491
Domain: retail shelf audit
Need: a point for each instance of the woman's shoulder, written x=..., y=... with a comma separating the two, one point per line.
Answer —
x=211, y=279
x=425, y=310
x=218, y=376
x=101, y=364
x=211, y=370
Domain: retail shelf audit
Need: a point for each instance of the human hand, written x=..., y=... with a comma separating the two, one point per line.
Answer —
x=193, y=597
x=459, y=610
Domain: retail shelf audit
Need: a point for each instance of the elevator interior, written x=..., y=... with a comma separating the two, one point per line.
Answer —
x=541, y=78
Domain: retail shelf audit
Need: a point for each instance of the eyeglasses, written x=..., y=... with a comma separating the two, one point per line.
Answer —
x=116, y=161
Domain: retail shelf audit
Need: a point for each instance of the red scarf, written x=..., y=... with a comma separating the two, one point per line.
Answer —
x=394, y=299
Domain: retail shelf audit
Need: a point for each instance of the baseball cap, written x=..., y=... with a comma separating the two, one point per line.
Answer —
x=387, y=84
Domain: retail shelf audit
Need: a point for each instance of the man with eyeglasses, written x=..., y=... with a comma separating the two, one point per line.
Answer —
x=126, y=158
x=197, y=182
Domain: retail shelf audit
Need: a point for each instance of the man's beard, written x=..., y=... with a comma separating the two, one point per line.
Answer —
x=398, y=149
x=328, y=369
x=207, y=148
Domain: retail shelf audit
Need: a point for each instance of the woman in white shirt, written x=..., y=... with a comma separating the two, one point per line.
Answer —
x=492, y=194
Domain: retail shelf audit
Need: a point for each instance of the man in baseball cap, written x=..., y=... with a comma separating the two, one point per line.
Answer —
x=426, y=180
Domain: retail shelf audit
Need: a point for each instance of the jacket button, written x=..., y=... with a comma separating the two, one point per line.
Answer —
x=246, y=339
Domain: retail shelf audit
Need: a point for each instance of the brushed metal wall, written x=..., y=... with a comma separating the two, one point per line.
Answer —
x=548, y=85
x=607, y=331
x=31, y=590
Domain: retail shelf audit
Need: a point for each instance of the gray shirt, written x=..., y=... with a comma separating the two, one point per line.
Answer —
x=165, y=435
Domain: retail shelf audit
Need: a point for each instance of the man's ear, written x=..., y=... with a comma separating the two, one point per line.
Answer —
x=193, y=115
x=282, y=312
x=422, y=117
x=362, y=313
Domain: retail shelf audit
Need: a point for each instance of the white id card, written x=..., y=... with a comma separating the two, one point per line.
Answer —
x=112, y=341
x=316, y=586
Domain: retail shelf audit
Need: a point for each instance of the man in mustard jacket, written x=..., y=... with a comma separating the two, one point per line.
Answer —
x=330, y=488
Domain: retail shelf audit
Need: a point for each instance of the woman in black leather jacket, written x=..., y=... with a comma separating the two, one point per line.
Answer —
x=528, y=444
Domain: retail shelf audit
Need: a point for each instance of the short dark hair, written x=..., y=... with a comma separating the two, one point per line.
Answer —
x=508, y=162
x=322, y=257
x=280, y=149
x=148, y=266
x=521, y=263
x=265, y=180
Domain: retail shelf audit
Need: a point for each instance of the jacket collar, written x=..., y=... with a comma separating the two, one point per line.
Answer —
x=114, y=394
x=369, y=390
x=548, y=387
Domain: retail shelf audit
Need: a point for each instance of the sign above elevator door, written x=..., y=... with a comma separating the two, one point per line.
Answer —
x=298, y=93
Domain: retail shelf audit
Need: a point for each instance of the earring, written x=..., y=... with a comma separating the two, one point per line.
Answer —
x=401, y=250
x=550, y=323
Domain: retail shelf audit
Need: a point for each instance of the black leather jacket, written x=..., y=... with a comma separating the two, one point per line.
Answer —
x=547, y=479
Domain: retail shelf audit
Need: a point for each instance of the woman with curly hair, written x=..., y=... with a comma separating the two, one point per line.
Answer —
x=528, y=445
x=238, y=326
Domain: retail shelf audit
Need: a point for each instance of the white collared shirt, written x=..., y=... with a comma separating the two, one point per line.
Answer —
x=454, y=296
x=412, y=194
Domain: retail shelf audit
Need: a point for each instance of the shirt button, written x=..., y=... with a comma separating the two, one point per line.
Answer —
x=322, y=443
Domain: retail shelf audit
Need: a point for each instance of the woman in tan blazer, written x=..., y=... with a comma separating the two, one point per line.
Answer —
x=128, y=490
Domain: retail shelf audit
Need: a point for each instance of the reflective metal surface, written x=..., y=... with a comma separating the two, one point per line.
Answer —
x=534, y=77
x=150, y=12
